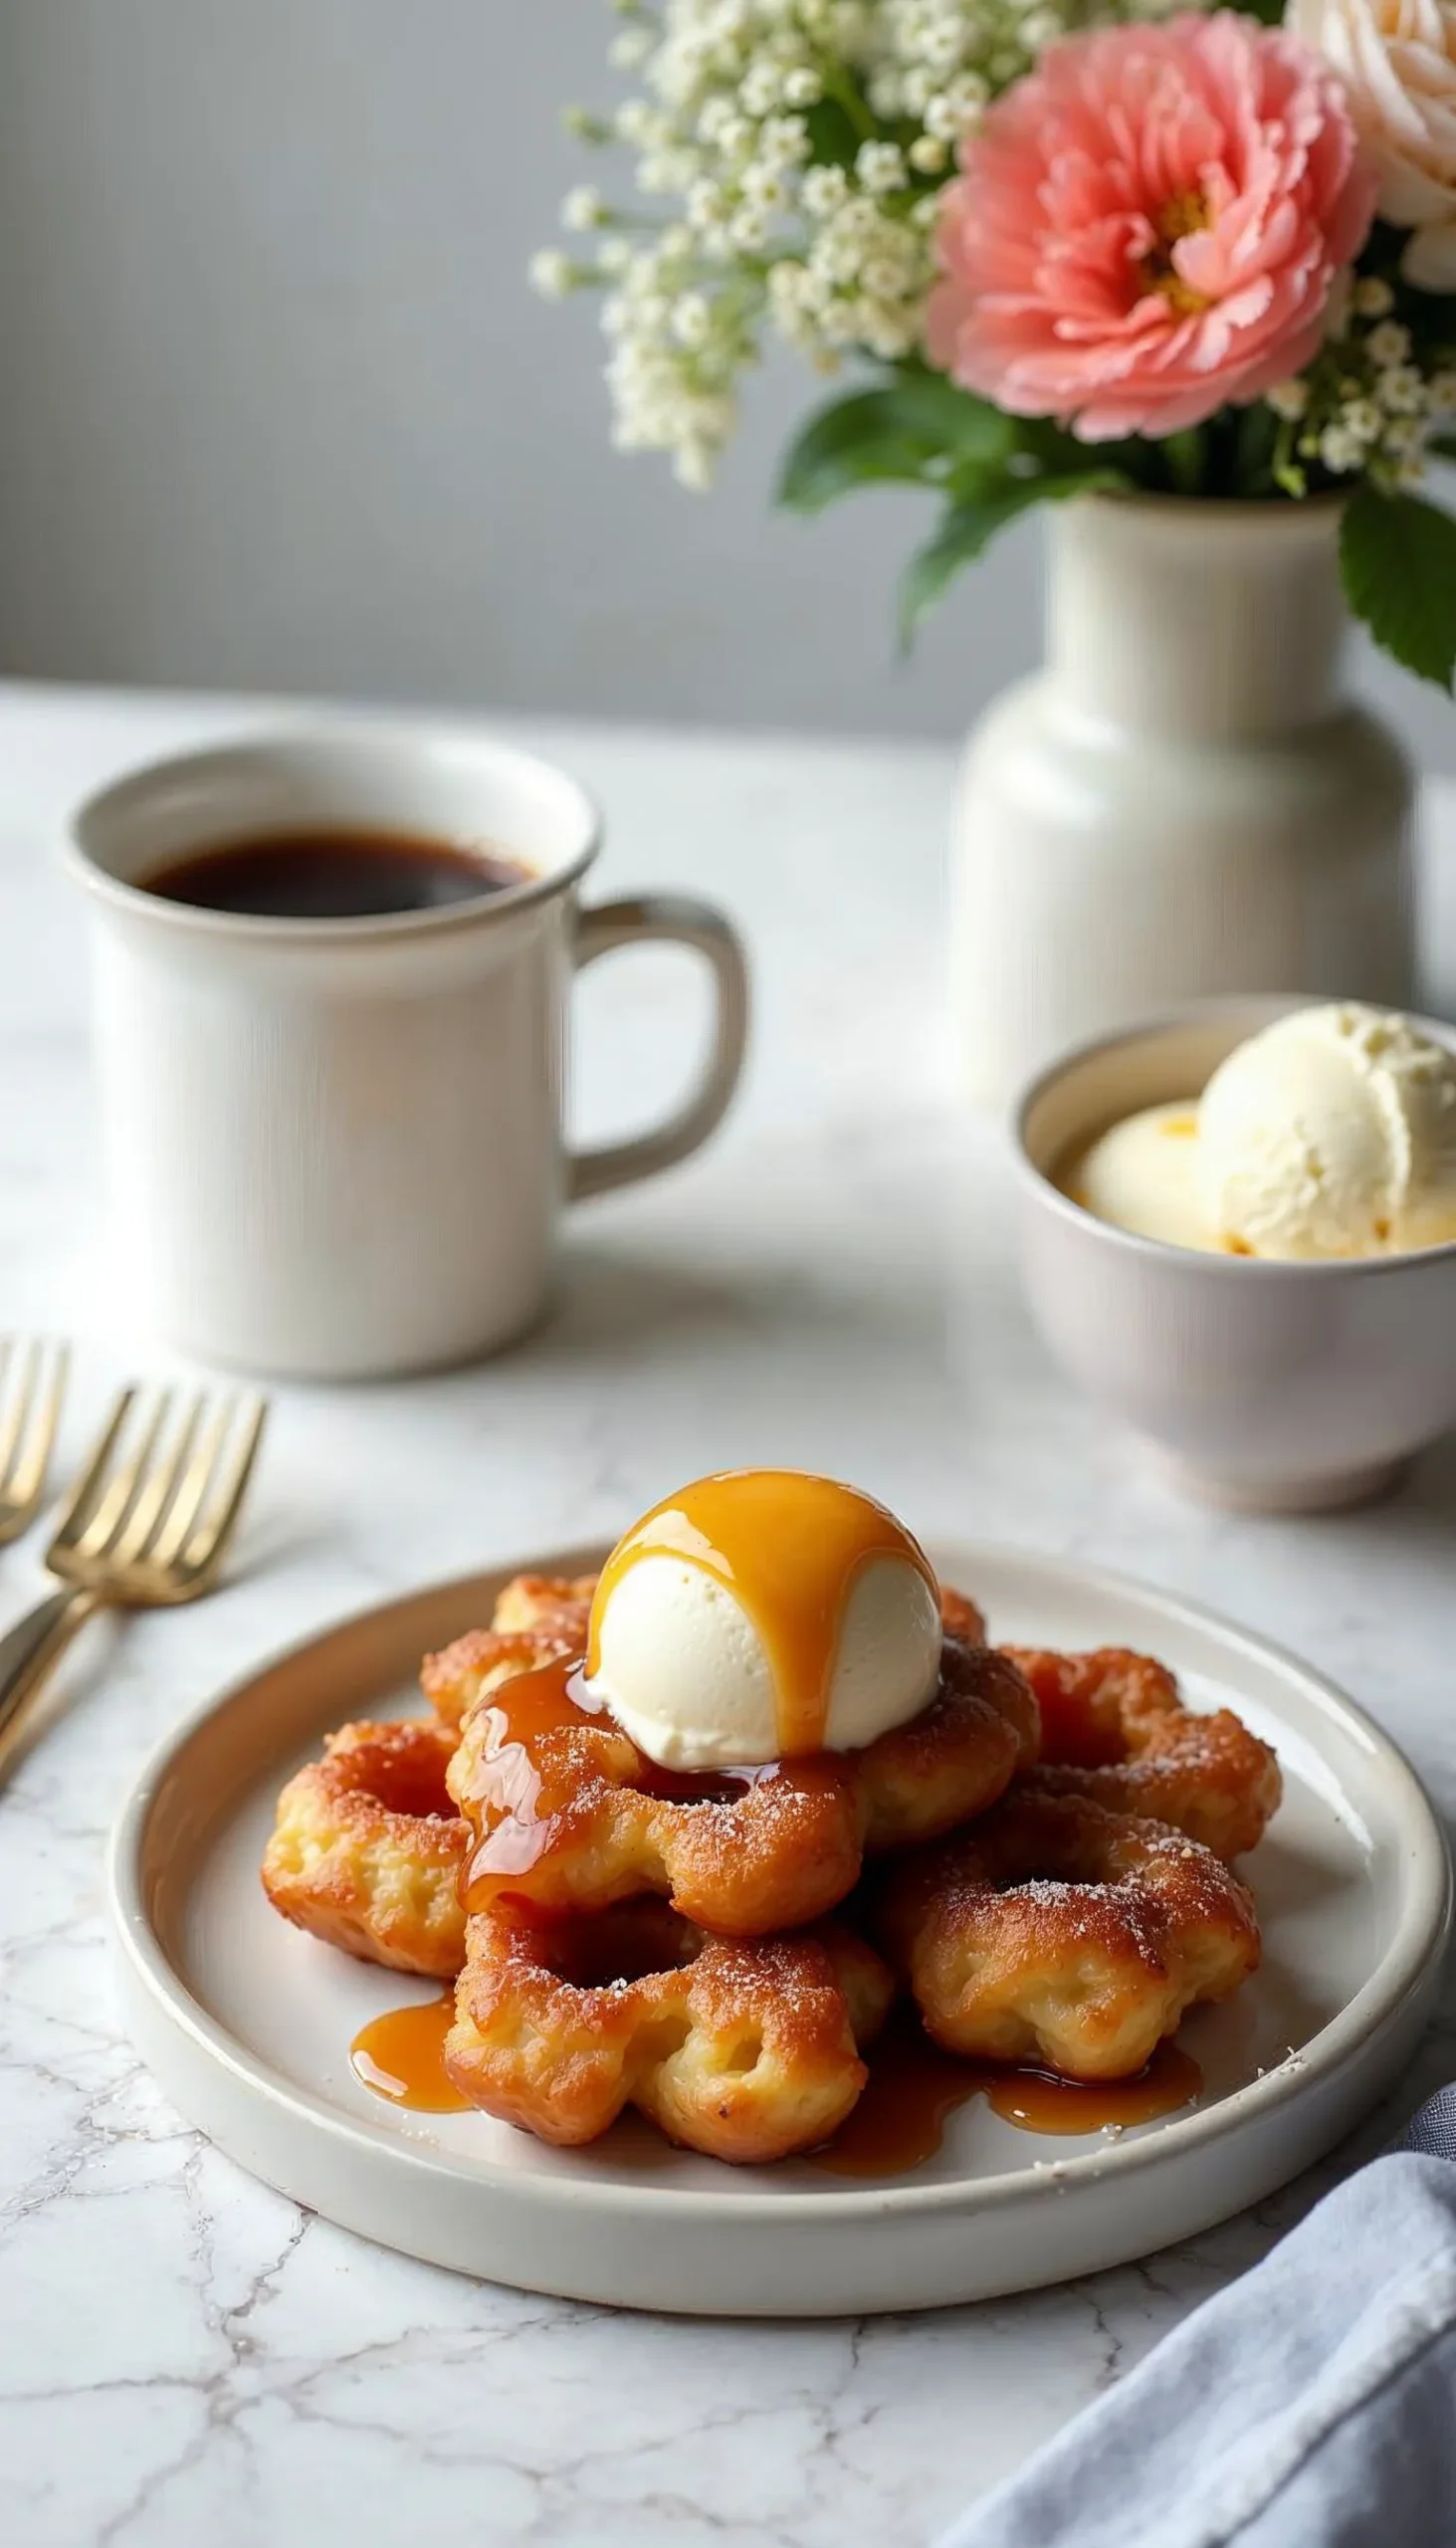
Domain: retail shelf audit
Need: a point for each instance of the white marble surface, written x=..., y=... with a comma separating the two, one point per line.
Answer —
x=182, y=2355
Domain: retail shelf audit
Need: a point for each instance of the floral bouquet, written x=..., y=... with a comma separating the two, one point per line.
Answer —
x=1074, y=245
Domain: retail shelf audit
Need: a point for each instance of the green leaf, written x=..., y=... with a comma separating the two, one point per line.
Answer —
x=966, y=427
x=970, y=527
x=905, y=434
x=833, y=137
x=1398, y=556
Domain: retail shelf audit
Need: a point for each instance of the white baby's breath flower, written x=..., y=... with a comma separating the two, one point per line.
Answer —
x=630, y=47
x=614, y=256
x=765, y=188
x=693, y=465
x=1400, y=389
x=1363, y=419
x=879, y=167
x=1389, y=343
x=783, y=142
x=942, y=45
x=802, y=87
x=692, y=319
x=1402, y=434
x=706, y=203
x=928, y=155
x=860, y=218
x=837, y=327
x=1341, y=451
x=636, y=121
x=823, y=191
x=749, y=229
x=761, y=88
x=883, y=277
x=1441, y=393
x=941, y=121
x=551, y=274
x=582, y=209
x=1289, y=399
x=668, y=172
x=1372, y=297
x=888, y=335
x=837, y=254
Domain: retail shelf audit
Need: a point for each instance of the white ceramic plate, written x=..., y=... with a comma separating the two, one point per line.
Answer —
x=247, y=2024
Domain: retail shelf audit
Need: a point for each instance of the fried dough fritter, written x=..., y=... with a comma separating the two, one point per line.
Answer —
x=1055, y=1930
x=1115, y=1729
x=745, y=2052
x=485, y=1659
x=549, y=1601
x=366, y=1848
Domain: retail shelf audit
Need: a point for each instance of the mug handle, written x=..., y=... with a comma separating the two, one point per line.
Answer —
x=678, y=921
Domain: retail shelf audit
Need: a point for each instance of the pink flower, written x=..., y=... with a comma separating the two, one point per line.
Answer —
x=1148, y=226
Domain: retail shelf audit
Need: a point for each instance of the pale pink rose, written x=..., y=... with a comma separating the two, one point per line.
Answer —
x=1150, y=226
x=1397, y=59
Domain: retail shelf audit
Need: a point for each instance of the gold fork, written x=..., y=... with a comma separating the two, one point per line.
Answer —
x=32, y=1385
x=147, y=1525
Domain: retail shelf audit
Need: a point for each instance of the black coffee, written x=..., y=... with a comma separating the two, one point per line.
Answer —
x=343, y=875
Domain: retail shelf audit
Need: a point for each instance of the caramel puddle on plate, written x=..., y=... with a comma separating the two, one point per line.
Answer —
x=897, y=2126
x=401, y=2057
x=914, y=2088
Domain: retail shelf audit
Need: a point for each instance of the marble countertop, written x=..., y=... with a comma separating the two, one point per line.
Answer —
x=183, y=2353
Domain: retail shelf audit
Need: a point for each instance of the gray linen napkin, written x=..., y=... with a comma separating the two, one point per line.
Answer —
x=1311, y=2405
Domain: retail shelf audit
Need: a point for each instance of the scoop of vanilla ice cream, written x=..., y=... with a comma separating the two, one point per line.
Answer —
x=1143, y=1175
x=1333, y=1133
x=684, y=1672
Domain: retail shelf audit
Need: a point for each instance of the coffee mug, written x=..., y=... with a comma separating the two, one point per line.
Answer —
x=334, y=1148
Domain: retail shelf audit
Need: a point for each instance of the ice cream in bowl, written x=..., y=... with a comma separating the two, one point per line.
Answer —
x=1238, y=1231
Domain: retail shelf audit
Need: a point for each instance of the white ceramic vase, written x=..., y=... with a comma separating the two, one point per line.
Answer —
x=1185, y=801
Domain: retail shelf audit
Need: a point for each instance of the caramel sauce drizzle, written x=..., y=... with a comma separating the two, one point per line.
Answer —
x=788, y=1546
x=914, y=2088
x=401, y=2057
x=512, y=1799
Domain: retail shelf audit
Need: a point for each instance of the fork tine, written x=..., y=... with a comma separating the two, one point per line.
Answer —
x=178, y=1516
x=50, y=1367
x=16, y=1418
x=209, y=1540
x=114, y=1503
x=156, y=1491
x=77, y=1510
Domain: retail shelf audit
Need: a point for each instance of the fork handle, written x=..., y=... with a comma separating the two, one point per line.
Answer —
x=28, y=1654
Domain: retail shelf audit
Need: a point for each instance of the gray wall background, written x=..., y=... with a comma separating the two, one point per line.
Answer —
x=278, y=410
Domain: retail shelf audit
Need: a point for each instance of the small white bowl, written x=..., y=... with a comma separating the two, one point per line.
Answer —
x=1274, y=1388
